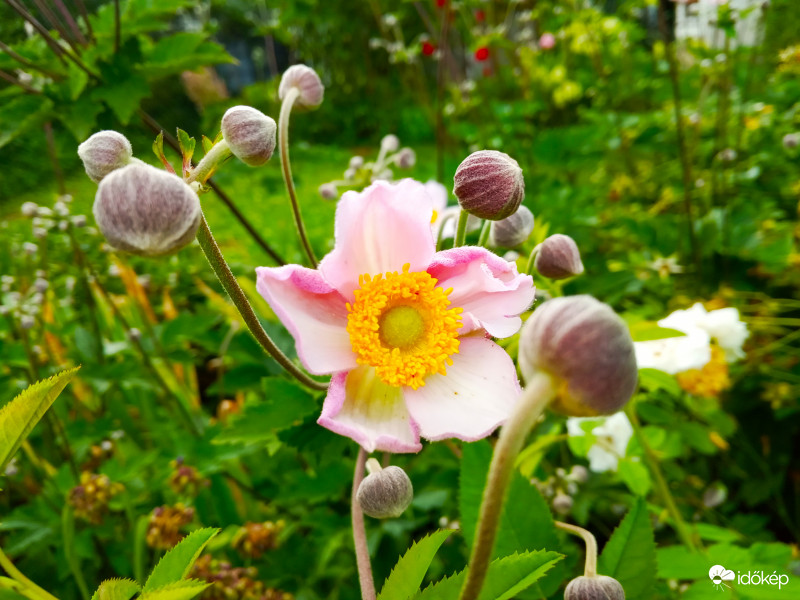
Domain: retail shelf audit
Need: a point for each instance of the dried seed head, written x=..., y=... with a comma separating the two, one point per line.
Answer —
x=512, y=231
x=147, y=211
x=599, y=587
x=385, y=493
x=558, y=257
x=306, y=80
x=104, y=152
x=250, y=134
x=489, y=185
x=587, y=348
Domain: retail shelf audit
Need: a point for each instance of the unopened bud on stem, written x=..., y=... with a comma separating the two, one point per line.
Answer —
x=250, y=134
x=104, y=152
x=308, y=84
x=385, y=492
x=489, y=185
x=558, y=257
x=598, y=587
x=512, y=231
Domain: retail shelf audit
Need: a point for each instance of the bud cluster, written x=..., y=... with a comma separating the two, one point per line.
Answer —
x=254, y=539
x=186, y=480
x=166, y=522
x=560, y=488
x=232, y=583
x=90, y=498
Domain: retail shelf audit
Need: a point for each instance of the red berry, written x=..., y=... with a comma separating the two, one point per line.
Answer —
x=428, y=48
x=482, y=53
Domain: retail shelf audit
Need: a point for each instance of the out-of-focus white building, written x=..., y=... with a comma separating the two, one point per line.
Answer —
x=698, y=21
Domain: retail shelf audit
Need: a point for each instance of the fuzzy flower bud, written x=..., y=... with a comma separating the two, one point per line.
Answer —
x=29, y=209
x=513, y=230
x=791, y=140
x=599, y=587
x=587, y=348
x=250, y=134
x=406, y=158
x=146, y=211
x=390, y=143
x=384, y=493
x=306, y=80
x=489, y=185
x=558, y=257
x=356, y=162
x=104, y=152
x=328, y=191
x=562, y=503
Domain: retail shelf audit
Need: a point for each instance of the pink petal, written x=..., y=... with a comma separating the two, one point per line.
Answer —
x=313, y=312
x=486, y=286
x=379, y=230
x=360, y=406
x=472, y=400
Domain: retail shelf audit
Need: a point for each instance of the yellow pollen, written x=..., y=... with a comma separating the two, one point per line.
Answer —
x=401, y=325
x=711, y=380
x=434, y=216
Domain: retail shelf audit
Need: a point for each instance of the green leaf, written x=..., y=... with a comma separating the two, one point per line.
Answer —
x=505, y=578
x=158, y=150
x=653, y=379
x=187, y=145
x=18, y=417
x=116, y=589
x=182, y=52
x=407, y=575
x=176, y=563
x=286, y=403
x=179, y=590
x=207, y=144
x=80, y=116
x=630, y=554
x=645, y=331
x=20, y=114
x=123, y=94
x=635, y=475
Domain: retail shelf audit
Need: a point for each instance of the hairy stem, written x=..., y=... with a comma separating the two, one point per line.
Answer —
x=360, y=534
x=237, y=296
x=286, y=167
x=530, y=406
x=484, y=236
x=219, y=152
x=461, y=229
x=590, y=566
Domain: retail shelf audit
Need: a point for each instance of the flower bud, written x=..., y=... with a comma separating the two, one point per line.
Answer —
x=513, y=230
x=30, y=248
x=598, y=587
x=41, y=284
x=328, y=191
x=27, y=322
x=385, y=493
x=79, y=221
x=406, y=158
x=104, y=152
x=390, y=143
x=791, y=140
x=562, y=503
x=558, y=257
x=489, y=185
x=147, y=211
x=306, y=80
x=29, y=209
x=356, y=162
x=579, y=473
x=587, y=348
x=250, y=134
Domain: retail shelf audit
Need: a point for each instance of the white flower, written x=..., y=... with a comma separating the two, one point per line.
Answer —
x=676, y=354
x=723, y=325
x=613, y=434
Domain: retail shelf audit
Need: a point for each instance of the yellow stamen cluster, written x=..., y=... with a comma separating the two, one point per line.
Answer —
x=401, y=325
x=711, y=380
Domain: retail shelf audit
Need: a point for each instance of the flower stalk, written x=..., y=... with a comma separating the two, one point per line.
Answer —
x=461, y=229
x=590, y=566
x=359, y=531
x=218, y=153
x=530, y=406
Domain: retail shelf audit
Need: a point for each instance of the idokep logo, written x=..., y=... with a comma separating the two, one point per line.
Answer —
x=719, y=575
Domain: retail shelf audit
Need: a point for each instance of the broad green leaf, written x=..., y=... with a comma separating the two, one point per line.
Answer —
x=635, y=475
x=179, y=590
x=407, y=575
x=505, y=578
x=116, y=589
x=80, y=116
x=629, y=555
x=645, y=331
x=176, y=563
x=123, y=93
x=653, y=379
x=9, y=594
x=20, y=114
x=18, y=417
x=182, y=52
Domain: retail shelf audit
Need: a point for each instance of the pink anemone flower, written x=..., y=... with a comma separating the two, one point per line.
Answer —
x=403, y=329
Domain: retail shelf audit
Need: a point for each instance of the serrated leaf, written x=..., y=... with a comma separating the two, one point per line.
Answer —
x=20, y=114
x=175, y=564
x=18, y=417
x=179, y=590
x=187, y=145
x=407, y=575
x=635, y=475
x=158, y=150
x=116, y=589
x=505, y=578
x=629, y=556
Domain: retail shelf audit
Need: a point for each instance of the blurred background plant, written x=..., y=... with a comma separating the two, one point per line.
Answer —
x=662, y=136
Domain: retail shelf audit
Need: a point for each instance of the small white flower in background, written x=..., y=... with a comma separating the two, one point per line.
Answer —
x=445, y=217
x=676, y=354
x=613, y=434
x=723, y=326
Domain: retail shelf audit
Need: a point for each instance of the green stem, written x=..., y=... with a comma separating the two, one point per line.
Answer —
x=461, y=229
x=218, y=152
x=590, y=566
x=530, y=406
x=360, y=534
x=237, y=296
x=661, y=483
x=286, y=167
x=531, y=266
x=484, y=236
x=17, y=576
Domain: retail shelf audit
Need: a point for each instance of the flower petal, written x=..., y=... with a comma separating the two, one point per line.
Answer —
x=485, y=285
x=676, y=354
x=360, y=406
x=378, y=231
x=313, y=312
x=473, y=399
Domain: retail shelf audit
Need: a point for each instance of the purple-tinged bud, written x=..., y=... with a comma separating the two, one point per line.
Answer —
x=29, y=209
x=390, y=143
x=562, y=503
x=308, y=83
x=104, y=152
x=385, y=493
x=79, y=221
x=489, y=185
x=579, y=473
x=406, y=158
x=791, y=140
x=250, y=134
x=512, y=231
x=328, y=191
x=587, y=348
x=598, y=587
x=41, y=285
x=147, y=211
x=558, y=257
